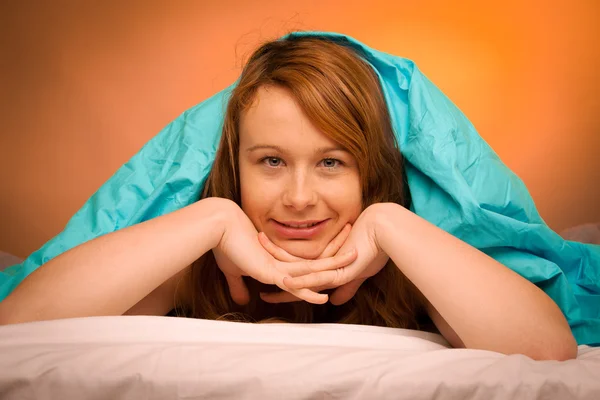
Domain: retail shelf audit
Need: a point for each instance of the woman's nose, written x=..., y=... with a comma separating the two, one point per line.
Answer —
x=299, y=193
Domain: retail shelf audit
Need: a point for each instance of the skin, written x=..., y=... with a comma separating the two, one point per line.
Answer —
x=474, y=301
x=290, y=171
x=135, y=270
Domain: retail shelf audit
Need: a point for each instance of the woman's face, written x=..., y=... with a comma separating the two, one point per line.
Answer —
x=297, y=185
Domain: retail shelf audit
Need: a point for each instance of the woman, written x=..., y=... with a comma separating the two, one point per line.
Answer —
x=308, y=158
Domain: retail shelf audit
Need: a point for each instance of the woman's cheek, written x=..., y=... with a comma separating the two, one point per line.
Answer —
x=346, y=194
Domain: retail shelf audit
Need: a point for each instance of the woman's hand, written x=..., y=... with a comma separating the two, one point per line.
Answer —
x=239, y=253
x=330, y=250
x=347, y=279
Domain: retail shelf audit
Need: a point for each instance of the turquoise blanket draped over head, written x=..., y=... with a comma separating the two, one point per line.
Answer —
x=456, y=180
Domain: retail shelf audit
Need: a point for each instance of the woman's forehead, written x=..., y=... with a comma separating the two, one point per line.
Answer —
x=275, y=118
x=271, y=107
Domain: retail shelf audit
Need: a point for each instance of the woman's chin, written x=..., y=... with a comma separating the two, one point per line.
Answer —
x=306, y=249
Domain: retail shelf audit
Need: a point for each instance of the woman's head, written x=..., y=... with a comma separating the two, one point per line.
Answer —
x=307, y=139
x=297, y=185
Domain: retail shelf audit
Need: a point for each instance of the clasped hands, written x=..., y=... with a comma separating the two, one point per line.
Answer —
x=347, y=261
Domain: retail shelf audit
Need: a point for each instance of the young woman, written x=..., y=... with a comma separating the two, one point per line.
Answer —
x=309, y=159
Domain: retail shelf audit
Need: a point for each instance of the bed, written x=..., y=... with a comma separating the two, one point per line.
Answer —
x=138, y=357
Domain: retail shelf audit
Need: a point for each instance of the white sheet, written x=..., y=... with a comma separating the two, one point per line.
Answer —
x=175, y=358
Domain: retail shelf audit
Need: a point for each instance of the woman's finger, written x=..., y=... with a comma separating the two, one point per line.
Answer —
x=310, y=296
x=345, y=292
x=336, y=277
x=277, y=252
x=276, y=275
x=306, y=267
x=278, y=279
x=336, y=244
x=285, y=297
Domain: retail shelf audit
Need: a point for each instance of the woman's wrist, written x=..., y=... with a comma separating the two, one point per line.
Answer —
x=382, y=217
x=219, y=215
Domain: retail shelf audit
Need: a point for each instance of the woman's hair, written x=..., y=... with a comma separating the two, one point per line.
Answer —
x=341, y=95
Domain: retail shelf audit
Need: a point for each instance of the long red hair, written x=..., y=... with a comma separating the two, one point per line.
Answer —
x=341, y=94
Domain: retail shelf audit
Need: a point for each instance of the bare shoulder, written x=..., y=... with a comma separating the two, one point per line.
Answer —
x=162, y=299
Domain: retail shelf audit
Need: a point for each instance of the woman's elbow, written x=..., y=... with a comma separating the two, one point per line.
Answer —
x=561, y=348
x=4, y=314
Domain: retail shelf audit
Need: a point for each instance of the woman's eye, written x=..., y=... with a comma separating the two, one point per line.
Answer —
x=272, y=161
x=331, y=163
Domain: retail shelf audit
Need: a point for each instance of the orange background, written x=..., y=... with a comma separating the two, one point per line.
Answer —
x=84, y=84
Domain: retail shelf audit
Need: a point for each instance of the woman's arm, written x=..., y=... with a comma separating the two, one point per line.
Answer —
x=487, y=305
x=162, y=300
x=110, y=274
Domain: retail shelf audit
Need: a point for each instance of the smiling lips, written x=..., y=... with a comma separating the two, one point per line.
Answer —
x=299, y=229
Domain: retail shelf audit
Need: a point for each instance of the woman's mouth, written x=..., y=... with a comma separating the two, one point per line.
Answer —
x=299, y=229
x=297, y=226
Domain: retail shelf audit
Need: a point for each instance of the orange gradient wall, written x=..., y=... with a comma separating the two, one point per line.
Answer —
x=83, y=85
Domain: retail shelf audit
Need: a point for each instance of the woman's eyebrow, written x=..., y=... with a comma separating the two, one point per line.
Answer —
x=265, y=146
x=320, y=150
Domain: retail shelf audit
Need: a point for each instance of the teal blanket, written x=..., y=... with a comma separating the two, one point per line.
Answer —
x=456, y=180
